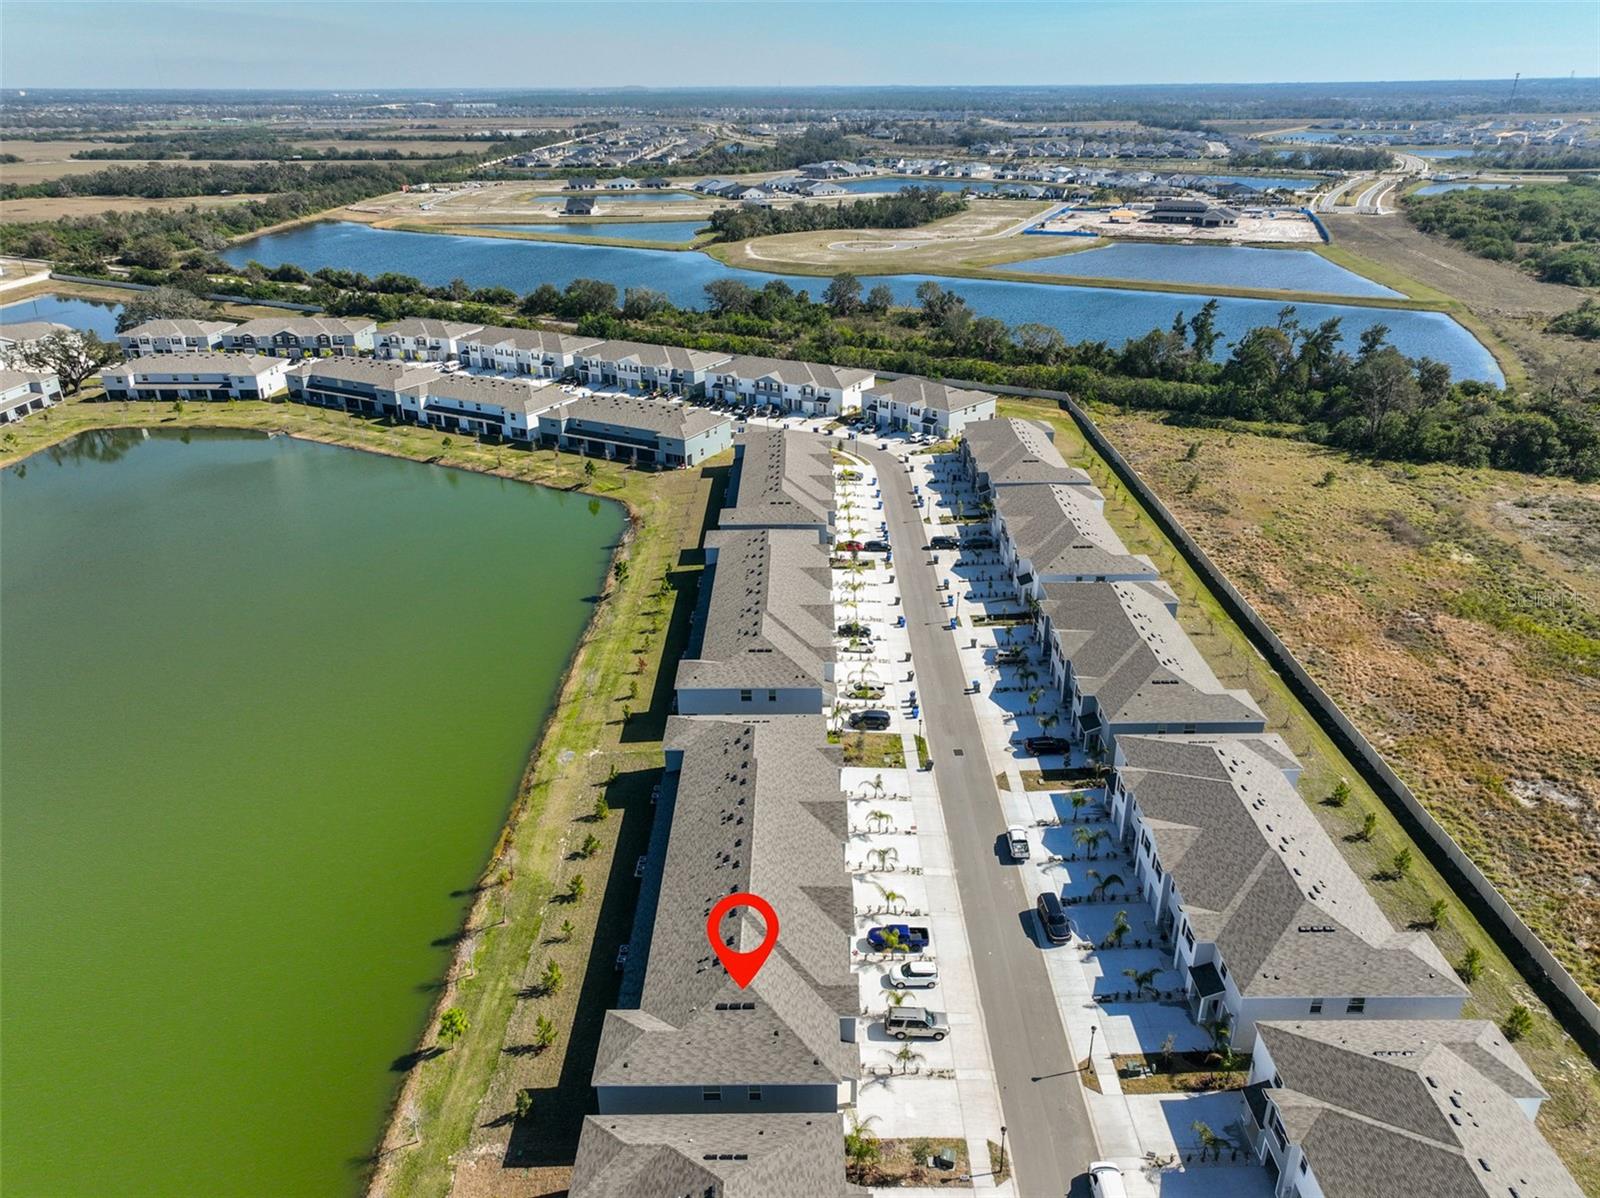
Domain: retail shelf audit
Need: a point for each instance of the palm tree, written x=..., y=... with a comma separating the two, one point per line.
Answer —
x=1106, y=883
x=905, y=1056
x=1119, y=928
x=876, y=785
x=892, y=941
x=860, y=1145
x=885, y=855
x=1089, y=838
x=897, y=998
x=1142, y=979
x=891, y=898
x=1208, y=1139
x=1079, y=801
x=882, y=818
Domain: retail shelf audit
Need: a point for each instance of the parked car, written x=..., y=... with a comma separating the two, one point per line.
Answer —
x=942, y=542
x=912, y=939
x=849, y=546
x=915, y=1023
x=914, y=975
x=1105, y=1180
x=1017, y=842
x=854, y=628
x=1053, y=918
x=1041, y=746
x=871, y=720
x=875, y=546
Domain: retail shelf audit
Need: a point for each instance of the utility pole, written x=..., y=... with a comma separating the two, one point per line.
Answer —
x=1515, y=79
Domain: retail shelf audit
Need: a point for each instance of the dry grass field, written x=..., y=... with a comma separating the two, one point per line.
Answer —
x=55, y=208
x=44, y=160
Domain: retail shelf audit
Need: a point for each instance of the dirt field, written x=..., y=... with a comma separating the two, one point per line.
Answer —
x=1511, y=302
x=53, y=209
x=1288, y=228
x=505, y=202
x=1454, y=614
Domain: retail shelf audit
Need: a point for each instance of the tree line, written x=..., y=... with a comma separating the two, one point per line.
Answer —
x=1318, y=158
x=913, y=206
x=1552, y=229
x=1291, y=377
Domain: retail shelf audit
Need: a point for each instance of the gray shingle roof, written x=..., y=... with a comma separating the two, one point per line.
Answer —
x=507, y=393
x=926, y=393
x=658, y=356
x=1061, y=531
x=30, y=330
x=532, y=340
x=732, y=1156
x=1130, y=655
x=768, y=621
x=195, y=363
x=780, y=480
x=795, y=374
x=650, y=415
x=177, y=328
x=1260, y=878
x=759, y=809
x=302, y=326
x=1424, y=1108
x=389, y=374
x=417, y=326
x=1012, y=451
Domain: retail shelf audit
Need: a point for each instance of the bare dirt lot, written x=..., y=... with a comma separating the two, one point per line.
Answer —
x=1510, y=301
x=532, y=200
x=1287, y=228
x=55, y=208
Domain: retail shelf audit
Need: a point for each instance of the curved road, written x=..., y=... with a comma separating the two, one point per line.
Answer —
x=1050, y=1138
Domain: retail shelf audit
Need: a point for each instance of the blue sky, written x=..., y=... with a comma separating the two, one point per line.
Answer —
x=395, y=43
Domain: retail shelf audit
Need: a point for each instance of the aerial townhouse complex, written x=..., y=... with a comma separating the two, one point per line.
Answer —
x=527, y=352
x=1364, y=1080
x=804, y=388
x=417, y=340
x=204, y=376
x=628, y=428
x=636, y=366
x=1424, y=1107
x=918, y=405
x=704, y=1087
x=173, y=337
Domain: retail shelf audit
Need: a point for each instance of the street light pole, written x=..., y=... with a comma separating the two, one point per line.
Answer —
x=1002, y=1148
x=1089, y=1062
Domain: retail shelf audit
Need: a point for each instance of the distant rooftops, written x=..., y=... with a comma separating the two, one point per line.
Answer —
x=793, y=373
x=658, y=357
x=447, y=330
x=665, y=419
x=178, y=328
x=530, y=340
x=929, y=395
x=196, y=363
x=1012, y=451
x=387, y=373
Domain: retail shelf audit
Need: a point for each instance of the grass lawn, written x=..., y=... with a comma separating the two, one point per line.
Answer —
x=873, y=750
x=1337, y=610
x=904, y=1163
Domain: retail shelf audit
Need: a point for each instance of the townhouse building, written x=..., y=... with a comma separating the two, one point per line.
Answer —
x=1055, y=533
x=780, y=480
x=920, y=405
x=1124, y=666
x=173, y=337
x=729, y=1156
x=644, y=432
x=419, y=340
x=1011, y=452
x=807, y=388
x=636, y=366
x=302, y=336
x=1430, y=1108
x=367, y=386
x=208, y=376
x=762, y=638
x=756, y=807
x=480, y=406
x=531, y=353
x=23, y=392
x=1268, y=919
x=19, y=335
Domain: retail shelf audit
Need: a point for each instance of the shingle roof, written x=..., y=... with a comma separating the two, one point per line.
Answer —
x=733, y=1156
x=196, y=363
x=759, y=809
x=926, y=393
x=1011, y=451
x=1260, y=878
x=21, y=378
x=658, y=356
x=507, y=393
x=417, y=326
x=793, y=373
x=767, y=621
x=178, y=328
x=1061, y=530
x=1424, y=1108
x=390, y=374
x=30, y=330
x=1129, y=654
x=780, y=480
x=540, y=340
x=302, y=326
x=651, y=415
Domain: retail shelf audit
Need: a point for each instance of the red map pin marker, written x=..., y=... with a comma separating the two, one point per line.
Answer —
x=742, y=967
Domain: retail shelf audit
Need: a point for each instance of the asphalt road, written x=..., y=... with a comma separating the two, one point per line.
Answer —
x=1050, y=1140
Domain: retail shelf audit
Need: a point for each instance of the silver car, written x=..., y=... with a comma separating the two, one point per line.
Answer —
x=914, y=975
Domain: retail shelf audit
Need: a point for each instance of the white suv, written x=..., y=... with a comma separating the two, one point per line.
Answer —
x=914, y=975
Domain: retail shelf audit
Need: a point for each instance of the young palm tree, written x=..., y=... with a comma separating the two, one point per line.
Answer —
x=885, y=856
x=892, y=941
x=1089, y=838
x=860, y=1145
x=881, y=818
x=1107, y=882
x=892, y=899
x=1142, y=979
x=1119, y=929
x=1079, y=801
x=906, y=1056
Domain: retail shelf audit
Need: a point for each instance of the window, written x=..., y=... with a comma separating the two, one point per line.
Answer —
x=745, y=696
x=711, y=1094
x=1302, y=1162
x=1222, y=968
x=1356, y=1007
x=1316, y=1006
x=772, y=696
x=1188, y=936
x=755, y=1094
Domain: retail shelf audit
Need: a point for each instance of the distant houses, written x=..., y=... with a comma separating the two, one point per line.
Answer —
x=923, y=406
x=365, y=386
x=638, y=366
x=640, y=431
x=419, y=340
x=806, y=388
x=173, y=337
x=19, y=335
x=1192, y=212
x=531, y=352
x=301, y=336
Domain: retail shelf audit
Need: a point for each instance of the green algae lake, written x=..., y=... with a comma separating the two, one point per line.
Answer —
x=266, y=705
